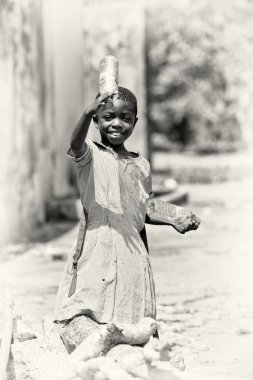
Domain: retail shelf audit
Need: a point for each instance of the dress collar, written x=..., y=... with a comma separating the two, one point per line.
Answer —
x=115, y=154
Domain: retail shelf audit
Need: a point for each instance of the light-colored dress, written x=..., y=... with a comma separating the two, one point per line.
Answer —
x=108, y=274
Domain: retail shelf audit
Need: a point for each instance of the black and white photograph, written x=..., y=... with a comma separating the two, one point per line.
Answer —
x=126, y=190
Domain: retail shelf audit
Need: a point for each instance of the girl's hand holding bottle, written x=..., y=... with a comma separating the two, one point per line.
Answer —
x=180, y=218
x=108, y=83
x=101, y=100
x=185, y=223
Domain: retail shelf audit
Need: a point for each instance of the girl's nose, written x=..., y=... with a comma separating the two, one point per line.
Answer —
x=117, y=123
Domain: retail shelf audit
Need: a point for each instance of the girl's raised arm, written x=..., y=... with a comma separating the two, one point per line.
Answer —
x=79, y=134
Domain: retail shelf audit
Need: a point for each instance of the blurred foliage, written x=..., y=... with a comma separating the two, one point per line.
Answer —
x=199, y=59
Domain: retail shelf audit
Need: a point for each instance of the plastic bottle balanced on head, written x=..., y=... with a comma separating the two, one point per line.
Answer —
x=109, y=75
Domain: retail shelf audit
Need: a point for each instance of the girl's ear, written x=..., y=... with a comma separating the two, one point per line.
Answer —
x=95, y=119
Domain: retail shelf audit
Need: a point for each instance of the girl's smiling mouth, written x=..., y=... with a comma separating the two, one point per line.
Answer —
x=115, y=133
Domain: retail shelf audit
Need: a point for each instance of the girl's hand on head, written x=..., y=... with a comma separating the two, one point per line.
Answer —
x=98, y=102
x=102, y=99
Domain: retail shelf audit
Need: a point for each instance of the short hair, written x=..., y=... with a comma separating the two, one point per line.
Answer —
x=127, y=96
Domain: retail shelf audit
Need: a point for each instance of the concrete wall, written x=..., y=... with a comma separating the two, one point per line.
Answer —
x=65, y=99
x=25, y=153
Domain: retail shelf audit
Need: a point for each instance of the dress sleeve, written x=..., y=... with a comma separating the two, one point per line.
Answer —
x=83, y=165
x=85, y=158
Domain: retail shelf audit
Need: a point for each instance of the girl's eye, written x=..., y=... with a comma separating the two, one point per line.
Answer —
x=107, y=117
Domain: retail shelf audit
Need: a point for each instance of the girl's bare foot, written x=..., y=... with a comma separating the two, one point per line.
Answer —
x=115, y=332
x=102, y=340
x=98, y=342
x=137, y=333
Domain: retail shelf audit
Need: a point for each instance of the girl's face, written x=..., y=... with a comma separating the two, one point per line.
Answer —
x=116, y=120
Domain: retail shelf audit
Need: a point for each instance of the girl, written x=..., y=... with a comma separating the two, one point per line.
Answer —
x=108, y=276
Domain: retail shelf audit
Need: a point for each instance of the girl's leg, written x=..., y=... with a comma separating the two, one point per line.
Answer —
x=101, y=340
x=74, y=332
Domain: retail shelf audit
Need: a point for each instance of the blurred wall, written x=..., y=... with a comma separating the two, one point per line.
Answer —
x=25, y=156
x=63, y=44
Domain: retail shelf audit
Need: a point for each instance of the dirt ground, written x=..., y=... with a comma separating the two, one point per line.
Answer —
x=203, y=279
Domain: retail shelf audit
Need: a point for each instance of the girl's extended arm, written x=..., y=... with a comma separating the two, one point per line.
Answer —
x=149, y=220
x=163, y=213
x=77, y=141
